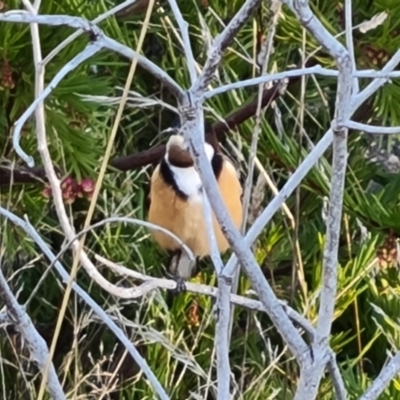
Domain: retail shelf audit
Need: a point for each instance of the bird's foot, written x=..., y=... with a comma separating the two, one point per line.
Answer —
x=180, y=285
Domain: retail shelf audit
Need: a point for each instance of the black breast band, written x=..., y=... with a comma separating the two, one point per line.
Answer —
x=169, y=179
x=216, y=164
x=168, y=176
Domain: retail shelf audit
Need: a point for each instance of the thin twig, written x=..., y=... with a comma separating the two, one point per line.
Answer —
x=214, y=253
x=221, y=42
x=90, y=50
x=100, y=38
x=223, y=310
x=116, y=291
x=376, y=83
x=277, y=202
x=337, y=379
x=79, y=32
x=348, y=12
x=316, y=70
x=154, y=154
x=43, y=147
x=170, y=284
x=376, y=130
x=187, y=47
x=222, y=339
x=387, y=373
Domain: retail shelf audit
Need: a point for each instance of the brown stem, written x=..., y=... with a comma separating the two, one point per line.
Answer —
x=22, y=175
x=234, y=119
x=154, y=154
x=134, y=161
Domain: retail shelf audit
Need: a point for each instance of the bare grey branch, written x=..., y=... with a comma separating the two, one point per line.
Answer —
x=311, y=160
x=221, y=338
x=316, y=70
x=77, y=33
x=220, y=44
x=30, y=230
x=349, y=42
x=311, y=374
x=36, y=344
x=376, y=83
x=90, y=50
x=246, y=258
x=4, y=319
x=100, y=38
x=187, y=47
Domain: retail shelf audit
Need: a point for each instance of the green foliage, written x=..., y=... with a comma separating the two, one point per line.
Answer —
x=176, y=334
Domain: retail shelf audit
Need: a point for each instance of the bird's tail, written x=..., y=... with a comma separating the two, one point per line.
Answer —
x=181, y=266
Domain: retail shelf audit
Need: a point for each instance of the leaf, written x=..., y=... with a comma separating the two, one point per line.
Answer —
x=373, y=23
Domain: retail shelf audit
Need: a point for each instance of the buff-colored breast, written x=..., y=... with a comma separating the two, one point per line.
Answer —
x=185, y=218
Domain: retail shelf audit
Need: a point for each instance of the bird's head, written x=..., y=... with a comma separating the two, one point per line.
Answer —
x=178, y=153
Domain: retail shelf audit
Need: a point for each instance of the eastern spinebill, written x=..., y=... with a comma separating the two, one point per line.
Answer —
x=176, y=202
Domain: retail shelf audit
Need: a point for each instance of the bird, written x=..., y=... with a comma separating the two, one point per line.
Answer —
x=177, y=203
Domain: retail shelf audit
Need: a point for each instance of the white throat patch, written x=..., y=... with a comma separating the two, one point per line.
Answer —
x=188, y=179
